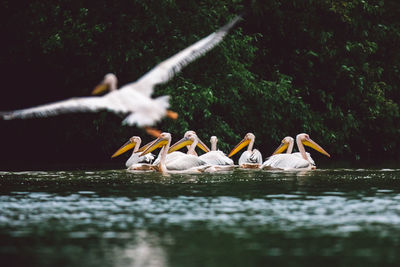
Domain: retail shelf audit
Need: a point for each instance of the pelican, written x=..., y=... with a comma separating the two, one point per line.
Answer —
x=251, y=158
x=174, y=154
x=216, y=157
x=190, y=164
x=133, y=99
x=298, y=161
x=135, y=161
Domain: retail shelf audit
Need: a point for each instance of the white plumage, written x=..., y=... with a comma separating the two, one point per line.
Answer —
x=287, y=162
x=293, y=161
x=216, y=157
x=251, y=158
x=134, y=99
x=179, y=163
x=135, y=158
x=135, y=161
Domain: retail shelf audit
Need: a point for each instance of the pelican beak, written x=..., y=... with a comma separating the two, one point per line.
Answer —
x=125, y=147
x=203, y=146
x=281, y=148
x=181, y=143
x=159, y=142
x=143, y=148
x=100, y=89
x=314, y=145
x=172, y=114
x=239, y=146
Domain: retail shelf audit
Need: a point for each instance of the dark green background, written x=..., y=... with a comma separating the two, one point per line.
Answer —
x=327, y=68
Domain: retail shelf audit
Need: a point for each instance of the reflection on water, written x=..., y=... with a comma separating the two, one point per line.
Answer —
x=242, y=218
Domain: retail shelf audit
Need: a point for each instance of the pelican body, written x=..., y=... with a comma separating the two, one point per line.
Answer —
x=187, y=164
x=135, y=161
x=294, y=161
x=134, y=99
x=251, y=158
x=216, y=157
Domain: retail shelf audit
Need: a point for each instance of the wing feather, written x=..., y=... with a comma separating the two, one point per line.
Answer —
x=165, y=70
x=285, y=162
x=81, y=104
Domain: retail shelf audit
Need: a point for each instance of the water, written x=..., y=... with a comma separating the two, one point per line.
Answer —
x=332, y=217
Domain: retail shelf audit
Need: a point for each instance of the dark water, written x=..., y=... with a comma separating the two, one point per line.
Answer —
x=332, y=217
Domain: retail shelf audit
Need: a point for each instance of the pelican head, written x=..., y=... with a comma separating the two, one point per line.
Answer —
x=189, y=138
x=163, y=140
x=285, y=143
x=213, y=141
x=248, y=139
x=305, y=139
x=109, y=83
x=134, y=141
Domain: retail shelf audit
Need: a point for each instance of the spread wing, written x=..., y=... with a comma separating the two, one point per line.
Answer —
x=81, y=104
x=165, y=70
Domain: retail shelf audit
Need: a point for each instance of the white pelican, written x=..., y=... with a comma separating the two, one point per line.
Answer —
x=191, y=150
x=135, y=159
x=252, y=157
x=189, y=164
x=192, y=140
x=298, y=161
x=134, y=99
x=216, y=157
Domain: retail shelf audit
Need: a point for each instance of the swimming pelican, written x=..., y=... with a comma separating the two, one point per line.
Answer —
x=300, y=160
x=191, y=163
x=216, y=157
x=135, y=159
x=252, y=157
x=174, y=155
x=134, y=99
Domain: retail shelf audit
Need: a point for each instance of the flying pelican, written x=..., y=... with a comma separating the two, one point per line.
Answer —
x=189, y=165
x=298, y=161
x=251, y=158
x=135, y=159
x=134, y=99
x=216, y=157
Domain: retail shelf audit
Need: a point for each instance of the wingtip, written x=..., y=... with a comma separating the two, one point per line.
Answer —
x=230, y=24
x=6, y=115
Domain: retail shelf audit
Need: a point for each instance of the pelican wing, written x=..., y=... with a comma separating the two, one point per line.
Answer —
x=81, y=104
x=165, y=70
x=184, y=163
x=178, y=161
x=253, y=157
x=285, y=162
x=216, y=158
x=136, y=159
x=308, y=156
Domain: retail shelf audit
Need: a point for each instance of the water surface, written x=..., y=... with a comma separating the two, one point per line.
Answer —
x=334, y=217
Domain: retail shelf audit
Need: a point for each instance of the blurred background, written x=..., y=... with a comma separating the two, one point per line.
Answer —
x=327, y=68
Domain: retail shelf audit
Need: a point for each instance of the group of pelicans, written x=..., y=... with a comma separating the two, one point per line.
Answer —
x=134, y=101
x=170, y=160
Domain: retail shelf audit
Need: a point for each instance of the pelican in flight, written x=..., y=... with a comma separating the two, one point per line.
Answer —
x=298, y=161
x=216, y=157
x=251, y=158
x=135, y=161
x=189, y=164
x=134, y=99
